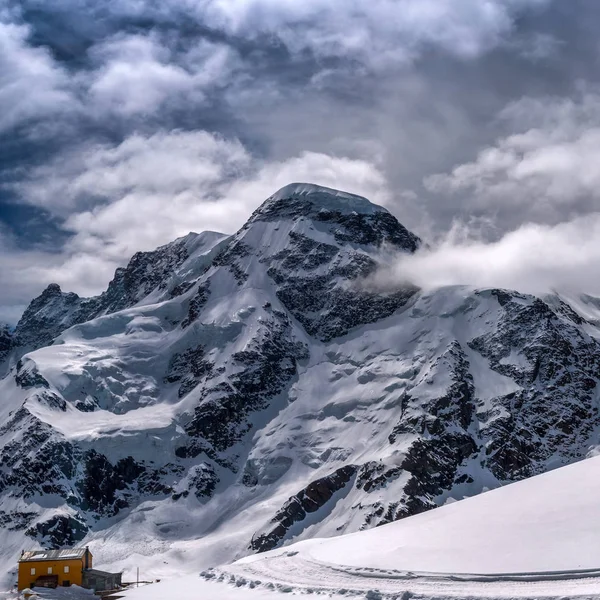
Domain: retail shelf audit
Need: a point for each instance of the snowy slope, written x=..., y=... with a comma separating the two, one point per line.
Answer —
x=229, y=395
x=532, y=538
x=550, y=522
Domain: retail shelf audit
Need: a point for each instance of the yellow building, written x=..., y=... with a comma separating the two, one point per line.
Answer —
x=51, y=568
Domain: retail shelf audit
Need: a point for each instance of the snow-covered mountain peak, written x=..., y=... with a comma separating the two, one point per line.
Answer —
x=325, y=198
x=53, y=289
x=194, y=241
x=338, y=216
x=52, y=293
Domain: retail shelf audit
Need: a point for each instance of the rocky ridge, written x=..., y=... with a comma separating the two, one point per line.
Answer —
x=148, y=276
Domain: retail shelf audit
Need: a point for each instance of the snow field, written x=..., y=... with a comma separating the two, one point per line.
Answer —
x=533, y=539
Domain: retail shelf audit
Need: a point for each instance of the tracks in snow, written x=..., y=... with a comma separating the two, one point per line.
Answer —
x=292, y=571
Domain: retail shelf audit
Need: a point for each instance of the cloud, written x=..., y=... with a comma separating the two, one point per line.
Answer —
x=530, y=206
x=32, y=85
x=143, y=74
x=374, y=33
x=113, y=68
x=533, y=258
x=19, y=275
x=138, y=74
x=191, y=167
x=164, y=164
x=118, y=65
x=544, y=171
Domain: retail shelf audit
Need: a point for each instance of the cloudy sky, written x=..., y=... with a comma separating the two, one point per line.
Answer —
x=127, y=123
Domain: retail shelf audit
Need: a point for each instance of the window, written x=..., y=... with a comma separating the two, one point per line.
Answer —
x=49, y=570
x=66, y=569
x=33, y=571
x=66, y=583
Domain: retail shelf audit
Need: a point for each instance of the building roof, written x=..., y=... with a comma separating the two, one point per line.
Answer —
x=61, y=554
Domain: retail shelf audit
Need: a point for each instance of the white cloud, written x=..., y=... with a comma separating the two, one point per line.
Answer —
x=538, y=47
x=137, y=74
x=542, y=185
x=181, y=182
x=373, y=33
x=165, y=164
x=534, y=258
x=32, y=86
x=544, y=171
x=156, y=72
x=350, y=174
x=126, y=75
x=21, y=272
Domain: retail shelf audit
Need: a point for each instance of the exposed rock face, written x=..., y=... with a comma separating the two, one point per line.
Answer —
x=259, y=373
x=58, y=531
x=308, y=500
x=102, y=482
x=201, y=481
x=445, y=440
x=196, y=303
x=46, y=317
x=323, y=301
x=558, y=376
x=221, y=375
x=28, y=376
x=189, y=368
x=146, y=272
x=90, y=484
x=315, y=279
x=5, y=341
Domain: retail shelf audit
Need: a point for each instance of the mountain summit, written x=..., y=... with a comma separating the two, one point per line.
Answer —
x=316, y=198
x=349, y=218
x=247, y=388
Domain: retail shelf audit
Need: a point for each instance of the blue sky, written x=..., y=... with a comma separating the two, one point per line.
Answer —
x=127, y=123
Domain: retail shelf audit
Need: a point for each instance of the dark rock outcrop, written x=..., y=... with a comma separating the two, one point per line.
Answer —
x=556, y=407
x=196, y=304
x=331, y=303
x=48, y=315
x=59, y=531
x=6, y=340
x=102, y=483
x=308, y=500
x=28, y=376
x=189, y=368
x=260, y=373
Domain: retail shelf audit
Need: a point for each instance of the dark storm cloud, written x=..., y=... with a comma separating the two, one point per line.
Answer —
x=126, y=123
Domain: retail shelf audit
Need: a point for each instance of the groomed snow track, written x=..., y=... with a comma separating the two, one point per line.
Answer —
x=293, y=572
